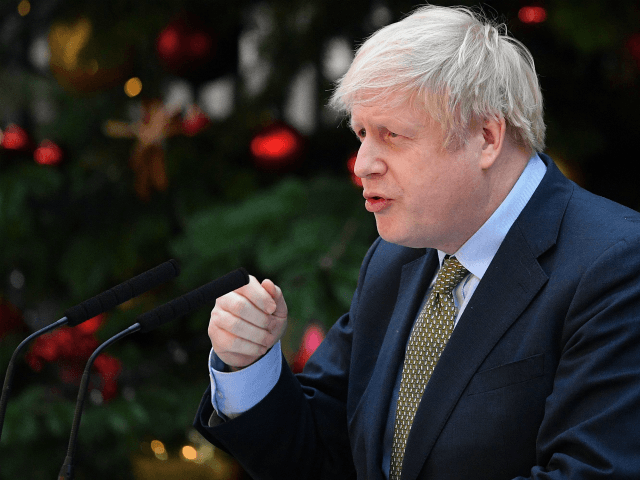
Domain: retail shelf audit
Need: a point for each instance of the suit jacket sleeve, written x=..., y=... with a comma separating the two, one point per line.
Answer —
x=299, y=430
x=591, y=423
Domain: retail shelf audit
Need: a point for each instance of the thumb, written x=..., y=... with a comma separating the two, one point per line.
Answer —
x=275, y=292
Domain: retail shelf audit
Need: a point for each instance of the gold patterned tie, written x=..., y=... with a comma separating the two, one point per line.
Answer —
x=429, y=336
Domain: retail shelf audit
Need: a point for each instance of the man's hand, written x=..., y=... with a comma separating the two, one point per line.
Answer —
x=247, y=322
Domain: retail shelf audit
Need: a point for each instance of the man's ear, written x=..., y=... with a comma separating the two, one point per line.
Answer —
x=493, y=134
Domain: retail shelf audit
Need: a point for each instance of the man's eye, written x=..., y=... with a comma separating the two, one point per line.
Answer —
x=362, y=133
x=393, y=135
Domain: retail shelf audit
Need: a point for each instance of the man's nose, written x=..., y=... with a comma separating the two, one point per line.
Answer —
x=369, y=160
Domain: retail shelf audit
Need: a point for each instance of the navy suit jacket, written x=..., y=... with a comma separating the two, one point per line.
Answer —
x=540, y=379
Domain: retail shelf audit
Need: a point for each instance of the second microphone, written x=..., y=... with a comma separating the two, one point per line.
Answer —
x=193, y=300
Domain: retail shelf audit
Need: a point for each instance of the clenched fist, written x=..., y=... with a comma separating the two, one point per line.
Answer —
x=247, y=322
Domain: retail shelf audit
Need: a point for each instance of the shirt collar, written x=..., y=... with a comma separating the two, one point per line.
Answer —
x=477, y=252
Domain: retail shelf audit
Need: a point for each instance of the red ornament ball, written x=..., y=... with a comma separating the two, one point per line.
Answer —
x=278, y=145
x=48, y=153
x=186, y=45
x=169, y=43
x=311, y=340
x=194, y=121
x=532, y=14
x=15, y=138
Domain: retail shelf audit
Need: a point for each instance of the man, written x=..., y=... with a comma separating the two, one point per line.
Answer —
x=495, y=329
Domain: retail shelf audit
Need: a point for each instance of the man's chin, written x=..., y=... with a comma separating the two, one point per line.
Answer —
x=401, y=238
x=395, y=237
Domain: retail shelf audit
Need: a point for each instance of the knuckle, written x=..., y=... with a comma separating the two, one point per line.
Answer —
x=235, y=327
x=235, y=345
x=236, y=304
x=264, y=338
x=215, y=315
x=223, y=302
x=225, y=343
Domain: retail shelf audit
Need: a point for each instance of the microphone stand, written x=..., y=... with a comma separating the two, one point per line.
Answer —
x=146, y=322
x=92, y=307
x=67, y=470
x=8, y=378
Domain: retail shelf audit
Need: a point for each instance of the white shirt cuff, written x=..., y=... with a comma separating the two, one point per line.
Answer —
x=233, y=393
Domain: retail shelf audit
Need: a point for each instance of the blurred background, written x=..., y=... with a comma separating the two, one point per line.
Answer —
x=135, y=131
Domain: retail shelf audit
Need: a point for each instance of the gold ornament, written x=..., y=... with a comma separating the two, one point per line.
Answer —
x=67, y=42
x=147, y=159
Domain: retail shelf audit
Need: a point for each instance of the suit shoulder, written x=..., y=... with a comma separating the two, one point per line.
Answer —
x=601, y=217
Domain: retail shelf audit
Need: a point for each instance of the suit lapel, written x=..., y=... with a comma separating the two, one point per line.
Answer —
x=481, y=326
x=512, y=280
x=376, y=398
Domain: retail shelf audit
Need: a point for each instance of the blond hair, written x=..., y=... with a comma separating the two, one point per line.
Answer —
x=454, y=63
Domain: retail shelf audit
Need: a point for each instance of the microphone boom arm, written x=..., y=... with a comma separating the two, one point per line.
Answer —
x=66, y=472
x=8, y=378
x=146, y=322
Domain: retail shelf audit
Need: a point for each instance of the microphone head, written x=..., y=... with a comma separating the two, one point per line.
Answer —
x=193, y=300
x=122, y=292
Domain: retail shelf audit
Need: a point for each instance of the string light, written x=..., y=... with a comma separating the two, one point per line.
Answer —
x=158, y=447
x=159, y=450
x=133, y=87
x=189, y=452
x=24, y=7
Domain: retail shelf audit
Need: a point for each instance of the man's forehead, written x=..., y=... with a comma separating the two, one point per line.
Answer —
x=403, y=115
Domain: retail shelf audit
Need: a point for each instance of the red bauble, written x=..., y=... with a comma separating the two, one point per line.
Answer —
x=532, y=14
x=108, y=368
x=169, y=44
x=48, y=153
x=89, y=327
x=194, y=121
x=311, y=340
x=70, y=348
x=186, y=45
x=276, y=146
x=15, y=138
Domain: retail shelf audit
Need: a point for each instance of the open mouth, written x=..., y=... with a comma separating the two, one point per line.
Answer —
x=376, y=203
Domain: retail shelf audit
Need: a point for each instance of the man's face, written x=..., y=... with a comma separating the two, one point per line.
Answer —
x=421, y=194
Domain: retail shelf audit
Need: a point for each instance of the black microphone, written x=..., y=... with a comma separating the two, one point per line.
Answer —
x=148, y=321
x=89, y=309
x=193, y=300
x=123, y=292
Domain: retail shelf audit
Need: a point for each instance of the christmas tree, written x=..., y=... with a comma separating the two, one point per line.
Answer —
x=133, y=132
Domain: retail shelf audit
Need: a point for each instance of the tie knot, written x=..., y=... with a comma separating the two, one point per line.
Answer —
x=450, y=275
